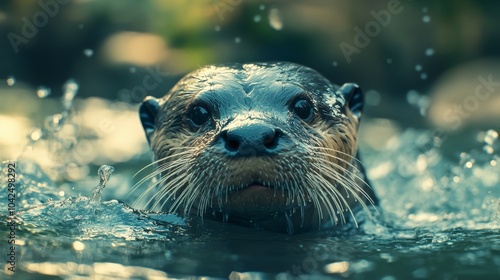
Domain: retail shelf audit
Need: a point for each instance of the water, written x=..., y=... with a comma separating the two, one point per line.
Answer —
x=441, y=219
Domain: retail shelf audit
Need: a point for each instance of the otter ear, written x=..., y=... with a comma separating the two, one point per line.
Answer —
x=148, y=110
x=354, y=98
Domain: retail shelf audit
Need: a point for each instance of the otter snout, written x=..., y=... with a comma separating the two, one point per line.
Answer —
x=250, y=138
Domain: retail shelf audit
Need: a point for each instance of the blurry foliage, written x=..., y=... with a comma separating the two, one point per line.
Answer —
x=196, y=34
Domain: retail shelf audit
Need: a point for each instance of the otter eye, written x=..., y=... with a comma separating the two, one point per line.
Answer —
x=303, y=108
x=199, y=115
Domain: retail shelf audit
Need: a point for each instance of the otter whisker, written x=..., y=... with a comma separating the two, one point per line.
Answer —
x=163, y=169
x=156, y=184
x=188, y=152
x=168, y=186
x=160, y=169
x=338, y=200
x=350, y=186
x=336, y=195
x=352, y=183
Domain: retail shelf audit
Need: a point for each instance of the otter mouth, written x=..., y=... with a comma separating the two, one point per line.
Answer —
x=256, y=187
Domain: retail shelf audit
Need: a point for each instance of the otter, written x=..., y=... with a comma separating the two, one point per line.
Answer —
x=266, y=145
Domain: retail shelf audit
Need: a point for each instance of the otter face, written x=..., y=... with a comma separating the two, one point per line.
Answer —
x=256, y=140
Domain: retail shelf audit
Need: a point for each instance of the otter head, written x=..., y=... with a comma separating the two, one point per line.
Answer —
x=266, y=144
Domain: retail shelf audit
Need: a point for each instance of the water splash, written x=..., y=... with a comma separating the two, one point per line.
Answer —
x=104, y=175
x=70, y=90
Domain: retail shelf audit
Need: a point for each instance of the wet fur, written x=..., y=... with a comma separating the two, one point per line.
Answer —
x=314, y=183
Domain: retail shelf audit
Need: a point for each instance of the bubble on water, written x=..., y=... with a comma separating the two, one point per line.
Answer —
x=423, y=76
x=335, y=64
x=61, y=193
x=262, y=7
x=43, y=92
x=11, y=80
x=275, y=20
x=426, y=18
x=389, y=61
x=88, y=52
x=257, y=18
x=418, y=67
x=237, y=40
x=430, y=52
x=217, y=28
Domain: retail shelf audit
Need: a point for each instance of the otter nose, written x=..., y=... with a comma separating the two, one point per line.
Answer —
x=250, y=139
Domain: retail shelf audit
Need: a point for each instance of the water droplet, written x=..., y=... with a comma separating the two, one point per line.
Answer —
x=335, y=64
x=36, y=134
x=217, y=28
x=257, y=18
x=418, y=67
x=275, y=19
x=237, y=40
x=43, y=92
x=412, y=97
x=262, y=7
x=430, y=52
x=88, y=52
x=423, y=76
x=54, y=123
x=11, y=80
x=70, y=89
x=490, y=137
x=489, y=149
x=389, y=61
x=61, y=193
x=426, y=18
x=493, y=162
